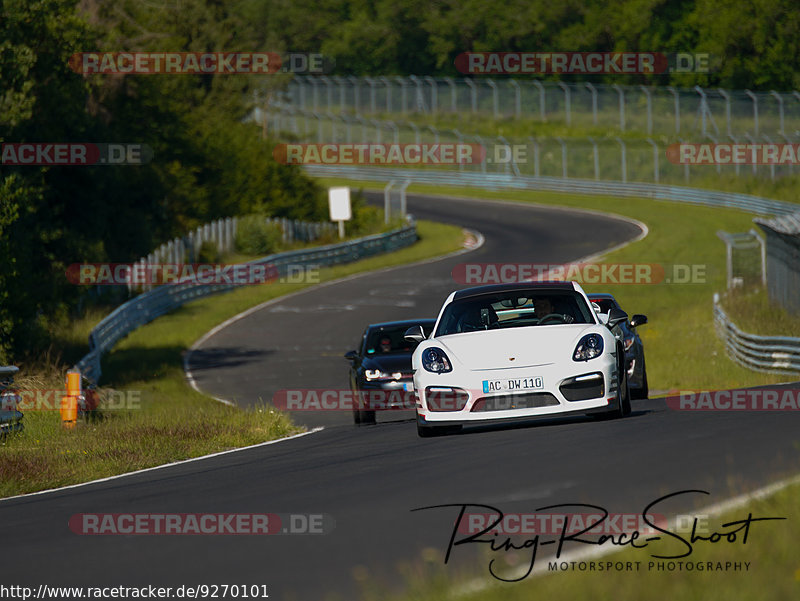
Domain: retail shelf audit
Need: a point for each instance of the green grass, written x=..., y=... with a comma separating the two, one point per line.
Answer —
x=752, y=311
x=168, y=421
x=771, y=550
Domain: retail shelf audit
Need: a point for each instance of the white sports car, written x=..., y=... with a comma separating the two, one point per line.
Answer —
x=515, y=351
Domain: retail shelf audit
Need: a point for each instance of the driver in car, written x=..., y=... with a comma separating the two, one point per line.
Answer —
x=543, y=307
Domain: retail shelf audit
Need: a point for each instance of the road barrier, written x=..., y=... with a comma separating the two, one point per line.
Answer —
x=152, y=304
x=771, y=354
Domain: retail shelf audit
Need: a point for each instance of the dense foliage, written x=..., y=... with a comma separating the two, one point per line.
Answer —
x=208, y=163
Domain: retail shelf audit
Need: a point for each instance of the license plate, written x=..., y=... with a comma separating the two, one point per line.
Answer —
x=512, y=384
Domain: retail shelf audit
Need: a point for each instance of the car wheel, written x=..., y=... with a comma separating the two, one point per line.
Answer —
x=622, y=407
x=367, y=417
x=356, y=416
x=623, y=392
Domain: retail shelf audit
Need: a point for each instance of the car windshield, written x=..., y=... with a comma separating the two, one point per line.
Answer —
x=387, y=340
x=514, y=309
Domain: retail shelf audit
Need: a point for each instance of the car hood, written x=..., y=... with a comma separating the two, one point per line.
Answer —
x=529, y=346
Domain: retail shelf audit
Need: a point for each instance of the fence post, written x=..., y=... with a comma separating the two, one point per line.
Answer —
x=624, y=159
x=621, y=93
x=453, y=99
x=387, y=200
x=371, y=84
x=646, y=91
x=779, y=98
x=473, y=94
x=595, y=156
x=567, y=108
x=540, y=87
x=755, y=111
x=434, y=93
x=593, y=90
x=563, y=157
x=535, y=143
x=677, y=107
x=403, y=94
x=517, y=98
x=655, y=159
x=495, y=99
x=727, y=98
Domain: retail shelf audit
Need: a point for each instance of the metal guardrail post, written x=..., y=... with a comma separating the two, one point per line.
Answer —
x=755, y=111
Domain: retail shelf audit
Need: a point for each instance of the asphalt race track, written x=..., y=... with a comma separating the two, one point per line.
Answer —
x=368, y=479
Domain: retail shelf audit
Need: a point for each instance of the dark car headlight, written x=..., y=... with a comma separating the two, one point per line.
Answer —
x=589, y=347
x=627, y=343
x=435, y=360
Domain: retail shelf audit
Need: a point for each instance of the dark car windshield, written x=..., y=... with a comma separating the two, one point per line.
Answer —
x=389, y=340
x=514, y=309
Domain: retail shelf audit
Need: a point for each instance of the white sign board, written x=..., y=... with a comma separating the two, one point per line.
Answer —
x=339, y=204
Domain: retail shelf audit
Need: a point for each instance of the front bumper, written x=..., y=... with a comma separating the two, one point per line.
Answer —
x=593, y=388
x=382, y=395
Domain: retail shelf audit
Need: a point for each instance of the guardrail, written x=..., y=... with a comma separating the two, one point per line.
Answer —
x=697, y=196
x=154, y=303
x=771, y=354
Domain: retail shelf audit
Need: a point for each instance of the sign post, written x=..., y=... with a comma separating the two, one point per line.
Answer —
x=339, y=205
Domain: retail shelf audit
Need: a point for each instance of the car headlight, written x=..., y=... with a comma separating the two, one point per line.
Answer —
x=376, y=374
x=627, y=343
x=434, y=360
x=589, y=347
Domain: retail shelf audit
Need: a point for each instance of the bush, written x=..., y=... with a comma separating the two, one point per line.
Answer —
x=209, y=253
x=256, y=236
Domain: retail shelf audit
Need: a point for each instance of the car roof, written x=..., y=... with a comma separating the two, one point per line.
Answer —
x=518, y=286
x=403, y=322
x=601, y=295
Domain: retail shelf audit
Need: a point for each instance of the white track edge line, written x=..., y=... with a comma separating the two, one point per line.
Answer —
x=165, y=465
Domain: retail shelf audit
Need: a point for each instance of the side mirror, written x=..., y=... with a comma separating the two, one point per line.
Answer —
x=351, y=355
x=616, y=317
x=414, y=334
x=638, y=320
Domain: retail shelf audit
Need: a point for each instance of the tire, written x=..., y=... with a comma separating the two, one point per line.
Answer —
x=623, y=405
x=356, y=416
x=367, y=417
x=623, y=392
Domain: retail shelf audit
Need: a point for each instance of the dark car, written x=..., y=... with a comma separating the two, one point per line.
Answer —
x=631, y=342
x=383, y=363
